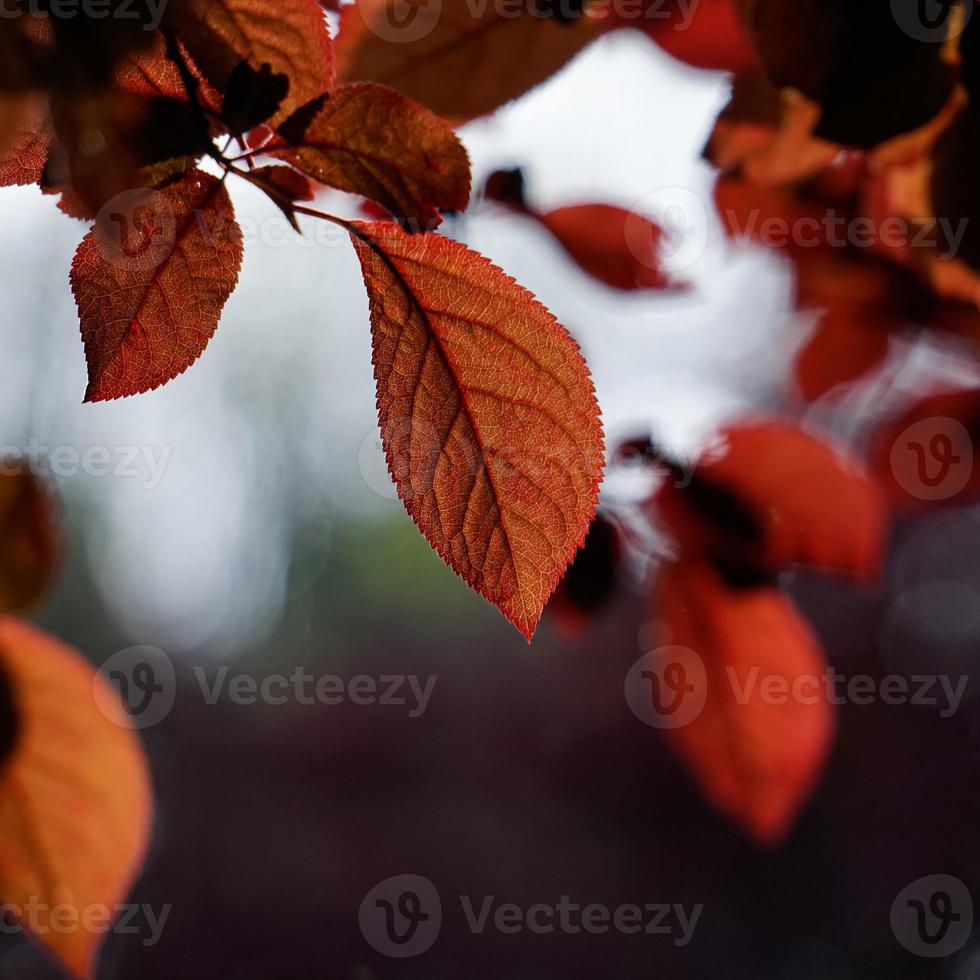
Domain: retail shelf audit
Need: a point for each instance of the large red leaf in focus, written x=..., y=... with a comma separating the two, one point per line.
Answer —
x=75, y=796
x=459, y=59
x=771, y=495
x=150, y=298
x=290, y=36
x=370, y=140
x=487, y=412
x=756, y=754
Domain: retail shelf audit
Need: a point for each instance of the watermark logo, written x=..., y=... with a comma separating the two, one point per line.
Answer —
x=933, y=916
x=136, y=229
x=683, y=217
x=66, y=917
x=933, y=458
x=932, y=21
x=667, y=687
x=405, y=21
x=401, y=916
x=145, y=680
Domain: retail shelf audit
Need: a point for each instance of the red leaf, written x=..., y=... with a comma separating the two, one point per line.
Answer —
x=459, y=60
x=706, y=34
x=842, y=349
x=369, y=140
x=291, y=37
x=772, y=495
x=488, y=415
x=150, y=284
x=616, y=246
x=758, y=746
x=22, y=157
x=927, y=456
x=151, y=73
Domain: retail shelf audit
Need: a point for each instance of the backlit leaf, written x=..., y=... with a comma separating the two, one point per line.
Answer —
x=370, y=140
x=458, y=59
x=290, y=36
x=150, y=282
x=23, y=154
x=488, y=415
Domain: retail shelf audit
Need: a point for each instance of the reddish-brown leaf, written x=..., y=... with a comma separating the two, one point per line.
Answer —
x=488, y=415
x=150, y=283
x=841, y=350
x=705, y=34
x=29, y=548
x=141, y=141
x=758, y=746
x=771, y=495
x=75, y=797
x=459, y=60
x=370, y=140
x=290, y=36
x=929, y=454
x=22, y=155
x=618, y=247
x=149, y=72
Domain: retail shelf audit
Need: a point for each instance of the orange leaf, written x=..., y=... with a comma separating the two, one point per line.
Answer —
x=290, y=36
x=772, y=495
x=150, y=284
x=459, y=60
x=758, y=746
x=28, y=540
x=369, y=140
x=488, y=415
x=75, y=797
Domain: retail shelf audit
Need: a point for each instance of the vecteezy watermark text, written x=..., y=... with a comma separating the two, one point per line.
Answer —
x=126, y=462
x=402, y=916
x=148, y=13
x=302, y=687
x=669, y=688
x=145, y=679
x=40, y=918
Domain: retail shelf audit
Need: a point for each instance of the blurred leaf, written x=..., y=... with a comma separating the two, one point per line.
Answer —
x=75, y=797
